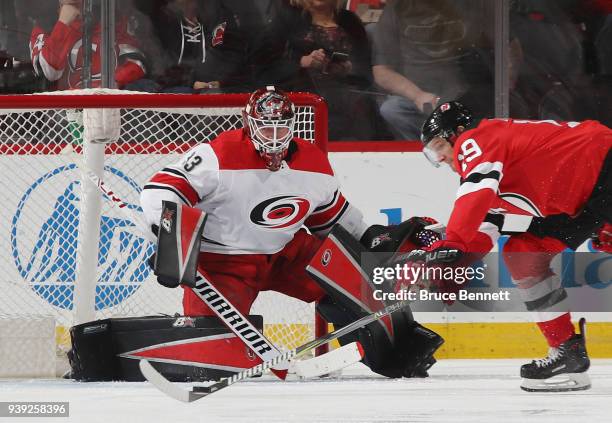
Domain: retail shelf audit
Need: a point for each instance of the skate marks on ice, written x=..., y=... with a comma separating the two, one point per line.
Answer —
x=458, y=391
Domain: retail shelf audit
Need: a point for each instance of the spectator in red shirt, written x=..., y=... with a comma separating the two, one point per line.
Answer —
x=58, y=54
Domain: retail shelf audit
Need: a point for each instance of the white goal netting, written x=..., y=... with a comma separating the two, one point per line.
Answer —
x=52, y=268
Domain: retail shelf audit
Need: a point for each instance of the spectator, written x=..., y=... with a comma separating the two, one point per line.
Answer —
x=16, y=73
x=552, y=77
x=7, y=13
x=249, y=42
x=53, y=53
x=333, y=52
x=425, y=51
x=604, y=47
x=597, y=21
x=184, y=36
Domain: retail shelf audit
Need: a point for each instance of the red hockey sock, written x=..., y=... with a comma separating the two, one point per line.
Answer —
x=558, y=330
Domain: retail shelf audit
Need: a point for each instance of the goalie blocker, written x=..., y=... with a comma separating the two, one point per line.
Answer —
x=179, y=236
x=395, y=346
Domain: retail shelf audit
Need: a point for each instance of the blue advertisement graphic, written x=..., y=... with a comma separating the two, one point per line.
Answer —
x=49, y=265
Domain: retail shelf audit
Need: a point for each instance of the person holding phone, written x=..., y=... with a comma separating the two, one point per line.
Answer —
x=428, y=52
x=339, y=62
x=333, y=53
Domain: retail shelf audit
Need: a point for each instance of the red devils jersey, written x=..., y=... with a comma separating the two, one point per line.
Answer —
x=59, y=55
x=524, y=167
x=252, y=210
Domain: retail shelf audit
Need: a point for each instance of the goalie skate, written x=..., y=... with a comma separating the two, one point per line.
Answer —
x=564, y=369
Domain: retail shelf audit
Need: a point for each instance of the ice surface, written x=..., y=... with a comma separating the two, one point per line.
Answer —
x=457, y=391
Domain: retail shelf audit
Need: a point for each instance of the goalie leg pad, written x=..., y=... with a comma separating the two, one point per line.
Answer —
x=409, y=355
x=394, y=347
x=337, y=268
x=182, y=348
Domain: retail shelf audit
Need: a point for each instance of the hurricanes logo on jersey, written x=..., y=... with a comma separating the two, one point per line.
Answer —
x=280, y=212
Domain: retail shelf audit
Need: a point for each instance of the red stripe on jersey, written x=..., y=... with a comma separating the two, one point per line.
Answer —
x=310, y=158
x=325, y=216
x=235, y=151
x=179, y=184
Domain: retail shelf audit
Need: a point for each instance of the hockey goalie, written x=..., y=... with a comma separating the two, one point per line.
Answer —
x=270, y=199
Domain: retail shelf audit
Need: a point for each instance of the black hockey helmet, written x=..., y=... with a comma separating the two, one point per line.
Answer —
x=444, y=121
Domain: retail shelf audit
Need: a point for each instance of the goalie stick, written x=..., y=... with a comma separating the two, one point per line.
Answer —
x=199, y=391
x=204, y=289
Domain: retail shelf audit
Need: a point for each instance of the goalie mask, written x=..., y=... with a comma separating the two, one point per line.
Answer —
x=443, y=122
x=269, y=118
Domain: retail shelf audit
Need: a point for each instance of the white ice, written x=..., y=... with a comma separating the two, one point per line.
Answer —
x=457, y=391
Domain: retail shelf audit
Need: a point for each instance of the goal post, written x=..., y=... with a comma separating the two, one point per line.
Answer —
x=70, y=256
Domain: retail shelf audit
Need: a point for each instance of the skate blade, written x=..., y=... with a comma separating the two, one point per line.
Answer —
x=560, y=383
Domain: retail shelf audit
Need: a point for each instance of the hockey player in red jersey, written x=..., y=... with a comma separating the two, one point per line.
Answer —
x=560, y=173
x=58, y=55
x=261, y=187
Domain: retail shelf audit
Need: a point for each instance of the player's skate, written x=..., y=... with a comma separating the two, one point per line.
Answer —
x=565, y=368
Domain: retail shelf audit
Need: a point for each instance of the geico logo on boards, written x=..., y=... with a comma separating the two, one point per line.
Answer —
x=45, y=235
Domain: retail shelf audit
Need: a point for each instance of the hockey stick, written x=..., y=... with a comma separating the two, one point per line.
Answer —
x=204, y=289
x=198, y=392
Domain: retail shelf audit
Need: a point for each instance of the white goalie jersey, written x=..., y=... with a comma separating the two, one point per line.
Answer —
x=252, y=210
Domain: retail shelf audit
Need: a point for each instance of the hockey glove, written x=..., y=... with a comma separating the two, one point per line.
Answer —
x=379, y=238
x=441, y=255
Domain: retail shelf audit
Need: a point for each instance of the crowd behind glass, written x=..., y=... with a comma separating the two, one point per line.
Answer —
x=380, y=65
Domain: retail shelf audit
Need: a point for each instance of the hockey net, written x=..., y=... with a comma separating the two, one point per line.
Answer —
x=68, y=255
